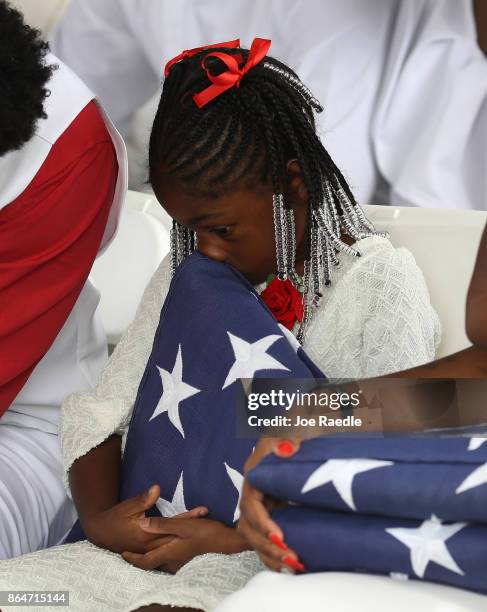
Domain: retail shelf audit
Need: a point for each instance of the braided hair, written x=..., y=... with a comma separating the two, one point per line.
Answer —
x=23, y=77
x=248, y=134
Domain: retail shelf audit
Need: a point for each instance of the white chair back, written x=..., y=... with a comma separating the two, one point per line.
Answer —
x=444, y=244
x=122, y=272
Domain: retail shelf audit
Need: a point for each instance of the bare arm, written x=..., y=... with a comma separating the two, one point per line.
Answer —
x=431, y=405
x=476, y=315
x=95, y=478
x=480, y=12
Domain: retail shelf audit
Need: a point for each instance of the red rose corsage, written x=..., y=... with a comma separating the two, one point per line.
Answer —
x=284, y=301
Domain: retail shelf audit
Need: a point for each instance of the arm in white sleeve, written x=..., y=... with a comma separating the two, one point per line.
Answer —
x=87, y=419
x=401, y=329
x=431, y=116
x=376, y=317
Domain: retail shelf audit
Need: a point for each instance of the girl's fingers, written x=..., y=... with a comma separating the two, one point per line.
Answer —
x=140, y=503
x=163, y=526
x=148, y=561
x=198, y=512
x=160, y=558
x=154, y=543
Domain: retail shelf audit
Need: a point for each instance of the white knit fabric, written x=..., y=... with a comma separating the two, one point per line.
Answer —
x=101, y=581
x=375, y=318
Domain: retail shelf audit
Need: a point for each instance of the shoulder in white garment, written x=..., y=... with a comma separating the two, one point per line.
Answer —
x=76, y=357
x=376, y=317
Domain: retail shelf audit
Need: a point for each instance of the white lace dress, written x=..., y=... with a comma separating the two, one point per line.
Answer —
x=376, y=318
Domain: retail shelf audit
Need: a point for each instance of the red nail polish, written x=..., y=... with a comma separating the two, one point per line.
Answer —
x=293, y=564
x=285, y=448
x=275, y=539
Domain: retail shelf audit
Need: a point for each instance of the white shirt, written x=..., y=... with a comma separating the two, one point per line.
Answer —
x=403, y=82
x=78, y=353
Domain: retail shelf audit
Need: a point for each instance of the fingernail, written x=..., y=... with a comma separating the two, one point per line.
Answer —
x=144, y=522
x=275, y=539
x=285, y=448
x=293, y=563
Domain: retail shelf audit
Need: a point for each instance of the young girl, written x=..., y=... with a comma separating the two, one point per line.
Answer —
x=235, y=160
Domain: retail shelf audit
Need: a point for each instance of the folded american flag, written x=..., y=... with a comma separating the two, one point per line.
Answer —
x=214, y=329
x=409, y=506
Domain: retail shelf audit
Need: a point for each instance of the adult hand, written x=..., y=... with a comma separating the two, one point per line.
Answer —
x=255, y=524
x=118, y=528
x=182, y=539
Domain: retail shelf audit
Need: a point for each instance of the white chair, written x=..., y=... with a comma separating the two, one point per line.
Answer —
x=122, y=272
x=444, y=244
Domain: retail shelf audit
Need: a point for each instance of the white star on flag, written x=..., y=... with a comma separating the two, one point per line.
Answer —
x=237, y=480
x=251, y=357
x=477, y=478
x=476, y=443
x=177, y=505
x=341, y=473
x=427, y=543
x=174, y=391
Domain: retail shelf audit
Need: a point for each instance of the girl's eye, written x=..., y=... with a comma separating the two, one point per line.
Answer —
x=221, y=231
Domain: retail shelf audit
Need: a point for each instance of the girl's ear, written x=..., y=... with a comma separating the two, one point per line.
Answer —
x=298, y=191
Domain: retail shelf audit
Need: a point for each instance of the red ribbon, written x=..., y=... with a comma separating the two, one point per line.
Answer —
x=234, y=74
x=190, y=52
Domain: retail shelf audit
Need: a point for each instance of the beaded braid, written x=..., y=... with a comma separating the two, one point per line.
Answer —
x=248, y=133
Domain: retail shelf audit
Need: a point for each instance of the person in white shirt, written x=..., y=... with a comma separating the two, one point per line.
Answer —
x=404, y=80
x=62, y=181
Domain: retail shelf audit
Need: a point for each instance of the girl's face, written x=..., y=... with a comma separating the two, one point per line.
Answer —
x=237, y=229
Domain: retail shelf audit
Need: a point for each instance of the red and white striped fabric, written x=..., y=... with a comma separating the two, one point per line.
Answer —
x=60, y=196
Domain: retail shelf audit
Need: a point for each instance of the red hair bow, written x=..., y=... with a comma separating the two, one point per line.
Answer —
x=231, y=44
x=234, y=74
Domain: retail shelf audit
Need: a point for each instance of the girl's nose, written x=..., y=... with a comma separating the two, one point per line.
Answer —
x=209, y=248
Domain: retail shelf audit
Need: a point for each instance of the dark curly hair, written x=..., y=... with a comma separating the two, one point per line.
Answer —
x=23, y=78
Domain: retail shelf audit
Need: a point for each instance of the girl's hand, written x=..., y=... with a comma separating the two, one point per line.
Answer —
x=182, y=539
x=255, y=524
x=118, y=528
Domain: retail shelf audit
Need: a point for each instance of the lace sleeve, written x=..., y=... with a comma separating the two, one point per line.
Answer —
x=401, y=328
x=376, y=318
x=87, y=419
